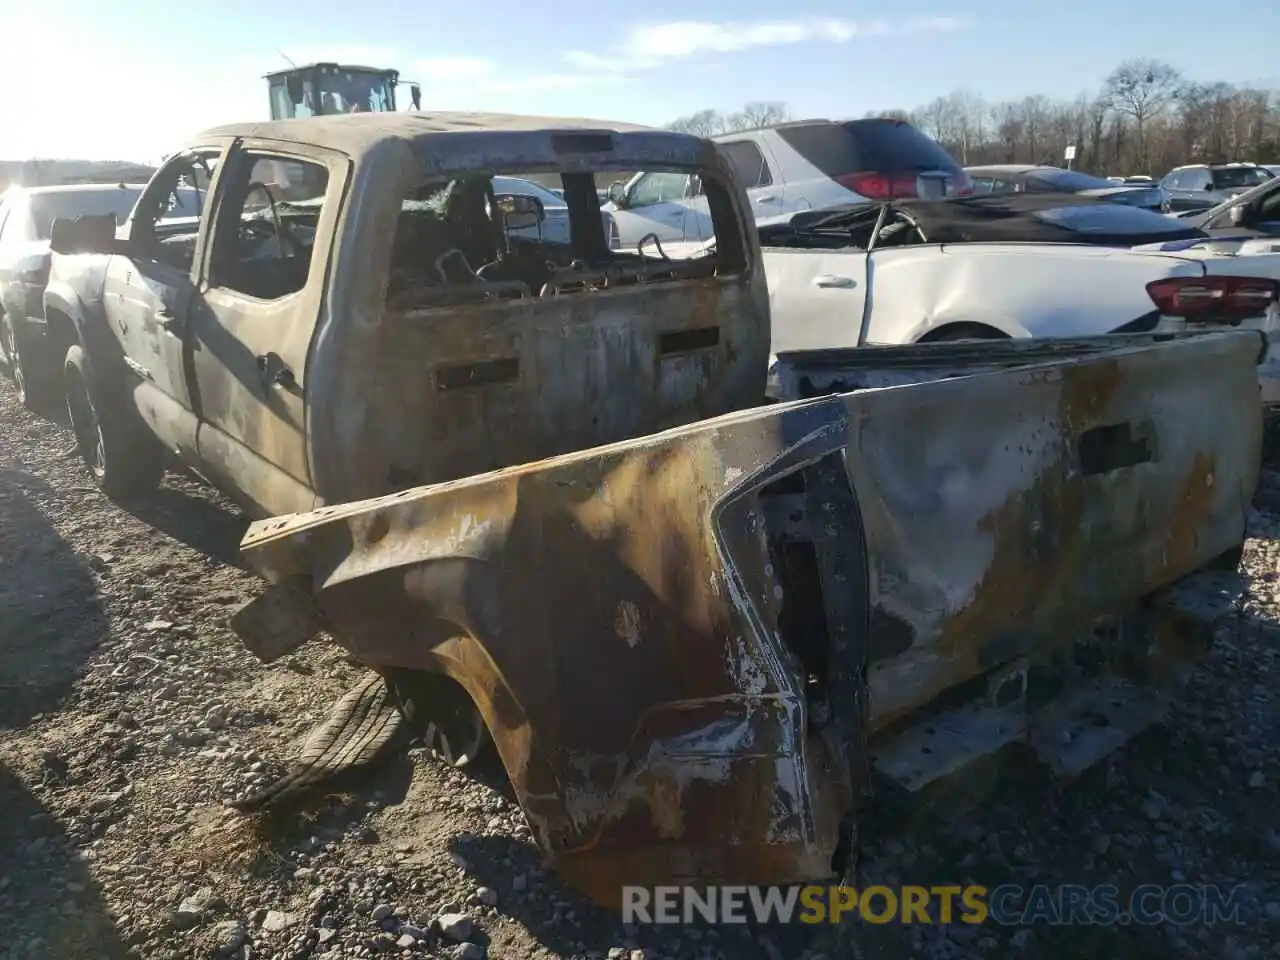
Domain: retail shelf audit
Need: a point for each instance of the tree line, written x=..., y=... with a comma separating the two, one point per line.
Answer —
x=1145, y=118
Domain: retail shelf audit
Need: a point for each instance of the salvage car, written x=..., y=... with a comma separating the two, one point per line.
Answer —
x=556, y=499
x=1254, y=213
x=799, y=165
x=26, y=219
x=1030, y=178
x=1015, y=265
x=1199, y=186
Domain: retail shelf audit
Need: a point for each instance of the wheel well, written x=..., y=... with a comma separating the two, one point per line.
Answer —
x=62, y=332
x=963, y=331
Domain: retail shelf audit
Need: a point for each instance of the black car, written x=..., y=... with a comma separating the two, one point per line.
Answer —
x=1200, y=186
x=1009, y=217
x=26, y=221
x=1030, y=178
x=1255, y=213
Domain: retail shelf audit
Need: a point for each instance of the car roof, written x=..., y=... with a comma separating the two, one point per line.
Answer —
x=356, y=133
x=18, y=188
x=1215, y=166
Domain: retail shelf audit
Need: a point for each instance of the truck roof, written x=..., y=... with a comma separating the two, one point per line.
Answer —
x=328, y=63
x=356, y=133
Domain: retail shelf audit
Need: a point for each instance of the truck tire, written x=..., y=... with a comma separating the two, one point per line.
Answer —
x=31, y=378
x=123, y=457
x=442, y=714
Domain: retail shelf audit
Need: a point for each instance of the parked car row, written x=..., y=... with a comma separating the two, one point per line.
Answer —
x=548, y=488
x=1191, y=188
x=805, y=165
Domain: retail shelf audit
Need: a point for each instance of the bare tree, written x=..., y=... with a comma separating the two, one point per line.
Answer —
x=1142, y=89
x=704, y=123
x=1144, y=119
x=894, y=114
x=759, y=114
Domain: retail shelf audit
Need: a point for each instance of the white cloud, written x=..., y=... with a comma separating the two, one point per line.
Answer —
x=649, y=46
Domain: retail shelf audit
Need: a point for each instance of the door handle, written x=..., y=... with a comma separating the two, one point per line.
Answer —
x=831, y=280
x=275, y=372
x=767, y=198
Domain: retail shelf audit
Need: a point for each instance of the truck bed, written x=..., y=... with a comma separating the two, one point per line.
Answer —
x=689, y=647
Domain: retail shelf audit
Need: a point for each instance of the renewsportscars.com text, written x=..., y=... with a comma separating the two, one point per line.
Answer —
x=1008, y=904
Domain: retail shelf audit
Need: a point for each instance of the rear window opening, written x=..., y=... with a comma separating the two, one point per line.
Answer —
x=504, y=235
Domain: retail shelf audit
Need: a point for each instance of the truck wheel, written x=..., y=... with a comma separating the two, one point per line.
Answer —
x=30, y=369
x=124, y=459
x=442, y=714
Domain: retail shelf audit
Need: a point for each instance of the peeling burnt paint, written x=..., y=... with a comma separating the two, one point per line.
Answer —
x=699, y=752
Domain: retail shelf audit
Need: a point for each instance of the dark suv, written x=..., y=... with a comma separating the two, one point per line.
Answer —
x=1200, y=186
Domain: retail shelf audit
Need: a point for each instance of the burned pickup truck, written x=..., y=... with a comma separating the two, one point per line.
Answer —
x=554, y=495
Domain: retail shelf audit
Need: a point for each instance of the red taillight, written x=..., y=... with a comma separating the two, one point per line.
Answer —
x=1210, y=299
x=880, y=186
x=894, y=186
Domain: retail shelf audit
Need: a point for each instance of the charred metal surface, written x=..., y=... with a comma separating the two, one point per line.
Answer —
x=654, y=561
x=278, y=621
x=987, y=532
x=520, y=381
x=1107, y=692
x=839, y=545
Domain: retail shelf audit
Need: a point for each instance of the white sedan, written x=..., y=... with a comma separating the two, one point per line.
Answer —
x=952, y=270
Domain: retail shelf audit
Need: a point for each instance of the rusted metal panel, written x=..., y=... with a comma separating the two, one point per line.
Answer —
x=546, y=374
x=653, y=561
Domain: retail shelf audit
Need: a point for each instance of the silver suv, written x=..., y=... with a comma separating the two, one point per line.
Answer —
x=1199, y=186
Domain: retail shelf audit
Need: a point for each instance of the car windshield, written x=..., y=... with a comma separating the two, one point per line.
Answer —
x=527, y=188
x=47, y=207
x=1236, y=178
x=1070, y=181
x=1111, y=219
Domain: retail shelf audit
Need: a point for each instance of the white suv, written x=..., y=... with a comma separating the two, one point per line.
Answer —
x=807, y=165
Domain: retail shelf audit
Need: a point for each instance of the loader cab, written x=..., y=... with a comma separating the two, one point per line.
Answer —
x=321, y=89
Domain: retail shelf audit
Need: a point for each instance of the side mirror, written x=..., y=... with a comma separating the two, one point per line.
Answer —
x=1208, y=187
x=415, y=96
x=293, y=83
x=1239, y=215
x=618, y=194
x=520, y=212
x=86, y=234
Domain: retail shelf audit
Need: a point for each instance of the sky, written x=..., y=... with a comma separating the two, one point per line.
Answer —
x=131, y=79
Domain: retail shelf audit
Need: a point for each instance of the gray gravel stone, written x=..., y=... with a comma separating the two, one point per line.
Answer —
x=455, y=926
x=277, y=921
x=230, y=936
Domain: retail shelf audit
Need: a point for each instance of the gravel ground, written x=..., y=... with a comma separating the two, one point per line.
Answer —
x=129, y=713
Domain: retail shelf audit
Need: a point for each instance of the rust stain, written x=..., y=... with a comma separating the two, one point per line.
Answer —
x=685, y=753
x=1193, y=507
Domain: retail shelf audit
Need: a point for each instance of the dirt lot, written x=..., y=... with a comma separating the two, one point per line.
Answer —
x=129, y=713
